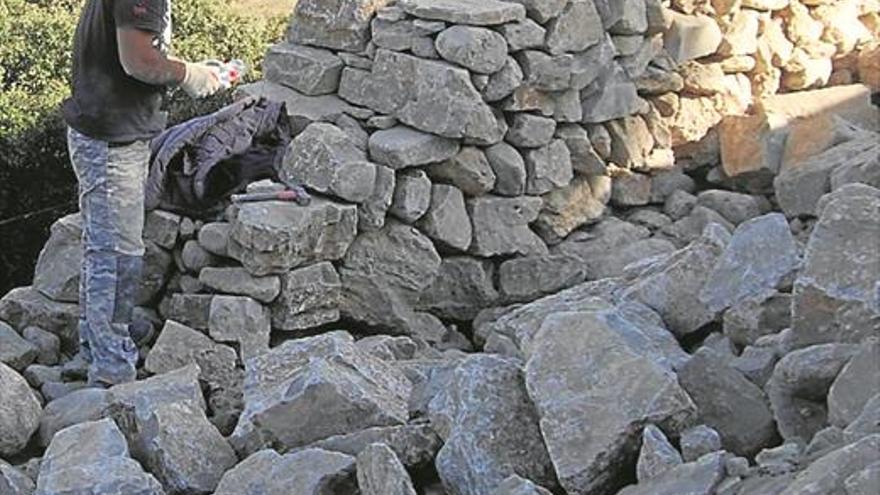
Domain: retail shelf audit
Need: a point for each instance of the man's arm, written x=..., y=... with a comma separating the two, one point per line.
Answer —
x=142, y=61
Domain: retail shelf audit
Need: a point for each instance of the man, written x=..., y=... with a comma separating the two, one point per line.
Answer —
x=120, y=73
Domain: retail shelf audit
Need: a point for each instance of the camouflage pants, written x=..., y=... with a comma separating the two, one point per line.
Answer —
x=111, y=200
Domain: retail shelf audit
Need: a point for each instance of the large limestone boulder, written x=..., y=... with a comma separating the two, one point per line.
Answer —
x=383, y=274
x=490, y=427
x=355, y=389
x=463, y=287
x=274, y=237
x=431, y=96
x=835, y=295
x=312, y=71
x=379, y=472
x=57, y=271
x=485, y=13
x=308, y=472
x=182, y=448
x=479, y=49
x=728, y=402
x=501, y=226
x=327, y=160
x=401, y=147
x=671, y=285
x=829, y=473
x=856, y=384
x=310, y=297
x=761, y=252
x=93, y=458
x=19, y=412
x=594, y=388
x=338, y=24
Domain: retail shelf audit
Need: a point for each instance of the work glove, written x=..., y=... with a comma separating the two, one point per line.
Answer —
x=200, y=81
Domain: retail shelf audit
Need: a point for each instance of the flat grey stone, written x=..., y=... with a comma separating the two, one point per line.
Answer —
x=568, y=208
x=184, y=450
x=414, y=444
x=401, y=147
x=761, y=252
x=542, y=10
x=15, y=351
x=478, y=49
x=310, y=297
x=238, y=281
x=546, y=72
x=501, y=84
x=856, y=384
x=20, y=412
x=57, y=272
x=530, y=131
x=281, y=387
x=735, y=207
x=302, y=109
x=484, y=13
x=412, y=196
x=631, y=189
x=835, y=295
x=501, y=226
x=584, y=158
x=548, y=168
x=326, y=159
x=656, y=455
x=528, y=278
x=523, y=35
x=379, y=472
x=828, y=473
x=446, y=220
x=577, y=28
x=307, y=472
x=589, y=454
x=490, y=427
x=214, y=237
x=462, y=288
x=242, y=321
x=671, y=285
x=694, y=478
x=698, y=441
x=26, y=306
x=93, y=458
x=614, y=96
x=431, y=96
x=371, y=213
x=509, y=168
x=274, y=237
x=469, y=171
x=799, y=386
x=77, y=407
x=383, y=274
x=311, y=71
x=340, y=25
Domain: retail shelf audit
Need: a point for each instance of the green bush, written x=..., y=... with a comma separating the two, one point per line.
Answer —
x=35, y=59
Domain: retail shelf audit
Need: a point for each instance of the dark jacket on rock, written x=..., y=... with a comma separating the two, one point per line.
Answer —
x=196, y=165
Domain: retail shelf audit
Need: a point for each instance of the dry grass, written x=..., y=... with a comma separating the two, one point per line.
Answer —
x=263, y=8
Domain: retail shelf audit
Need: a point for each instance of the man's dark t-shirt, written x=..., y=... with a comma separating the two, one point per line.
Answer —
x=108, y=104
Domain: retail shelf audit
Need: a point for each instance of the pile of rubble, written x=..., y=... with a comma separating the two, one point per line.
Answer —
x=507, y=282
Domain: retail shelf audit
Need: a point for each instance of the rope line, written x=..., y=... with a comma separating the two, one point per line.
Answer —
x=26, y=216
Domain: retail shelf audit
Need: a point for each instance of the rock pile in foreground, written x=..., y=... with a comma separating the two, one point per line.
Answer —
x=495, y=290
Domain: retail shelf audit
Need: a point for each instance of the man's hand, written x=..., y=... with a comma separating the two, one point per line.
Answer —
x=142, y=61
x=200, y=81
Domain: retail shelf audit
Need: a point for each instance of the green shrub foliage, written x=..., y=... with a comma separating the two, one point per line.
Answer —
x=35, y=55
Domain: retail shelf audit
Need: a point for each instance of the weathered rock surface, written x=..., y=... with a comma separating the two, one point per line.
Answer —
x=501, y=226
x=490, y=428
x=856, y=384
x=697, y=478
x=656, y=456
x=401, y=147
x=15, y=351
x=19, y=412
x=761, y=252
x=383, y=274
x=835, y=293
x=308, y=472
x=185, y=452
x=469, y=171
x=479, y=49
x=93, y=458
x=462, y=288
x=324, y=158
x=340, y=25
x=581, y=202
x=281, y=387
x=446, y=220
x=238, y=281
x=57, y=272
x=310, y=297
x=579, y=366
x=671, y=285
x=26, y=306
x=488, y=13
x=516, y=485
x=13, y=481
x=430, y=96
x=379, y=472
x=412, y=196
x=729, y=403
x=273, y=237
x=311, y=71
